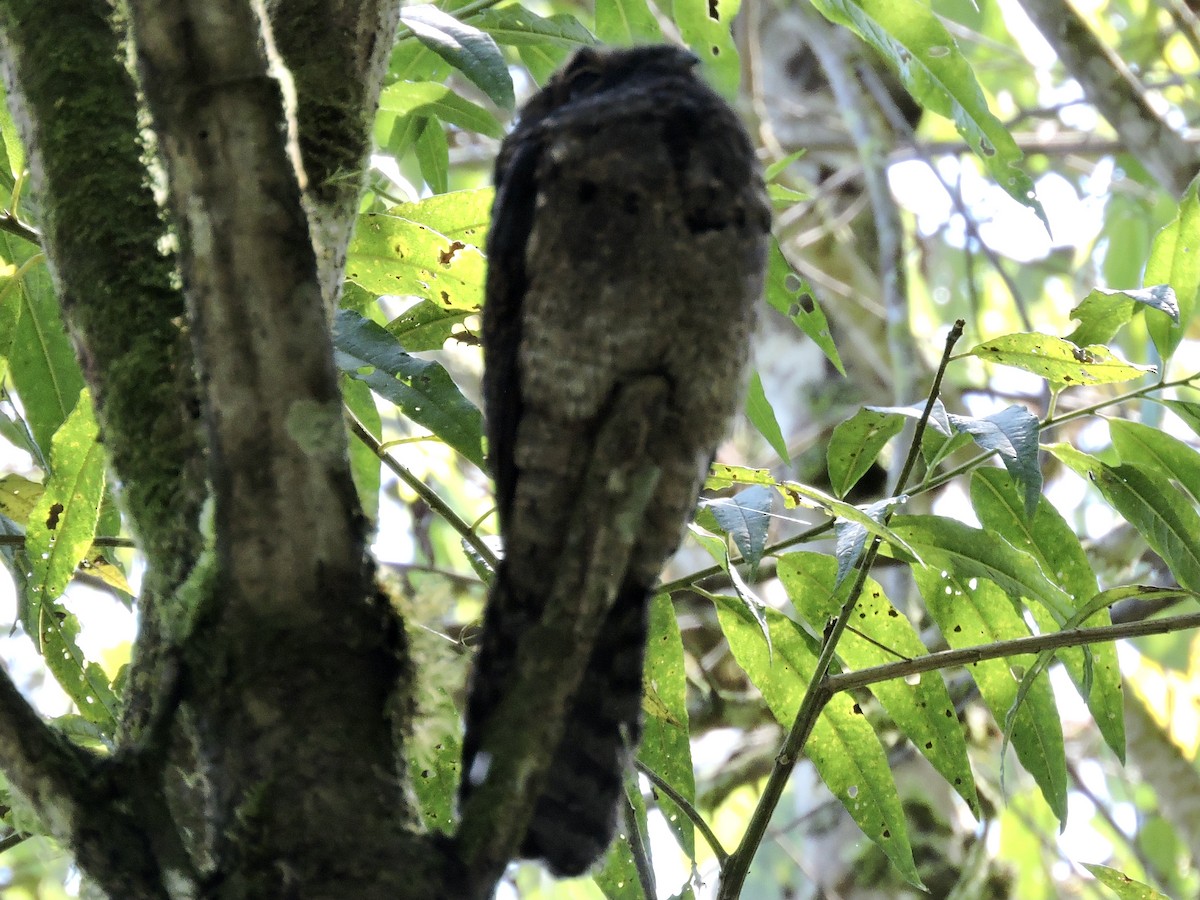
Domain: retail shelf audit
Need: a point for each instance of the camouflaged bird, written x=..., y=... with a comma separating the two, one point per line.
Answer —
x=628, y=240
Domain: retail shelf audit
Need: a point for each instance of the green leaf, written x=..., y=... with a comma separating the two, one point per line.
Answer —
x=869, y=517
x=745, y=518
x=364, y=464
x=427, y=326
x=62, y=523
x=721, y=476
x=421, y=389
x=393, y=255
x=924, y=712
x=1122, y=885
x=459, y=215
x=1148, y=501
x=970, y=612
x=1048, y=538
x=969, y=553
x=1058, y=361
x=471, y=51
x=934, y=70
x=1175, y=260
x=427, y=98
x=856, y=444
x=432, y=152
x=1156, y=450
x=706, y=27
x=59, y=534
x=792, y=296
x=517, y=26
x=844, y=749
x=41, y=362
x=18, y=495
x=777, y=168
x=1189, y=413
x=762, y=415
x=1013, y=435
x=626, y=22
x=1103, y=313
x=666, y=748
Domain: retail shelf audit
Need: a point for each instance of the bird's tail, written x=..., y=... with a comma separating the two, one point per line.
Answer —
x=576, y=813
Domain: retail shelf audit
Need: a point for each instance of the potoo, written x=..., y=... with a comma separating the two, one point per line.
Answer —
x=628, y=241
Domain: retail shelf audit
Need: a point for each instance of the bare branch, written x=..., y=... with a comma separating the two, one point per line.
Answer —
x=966, y=656
x=1116, y=93
x=67, y=789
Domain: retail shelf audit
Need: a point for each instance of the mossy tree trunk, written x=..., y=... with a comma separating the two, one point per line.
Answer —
x=261, y=747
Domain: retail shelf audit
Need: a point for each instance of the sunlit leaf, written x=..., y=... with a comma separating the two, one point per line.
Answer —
x=429, y=98
x=1175, y=260
x=1058, y=361
x=393, y=255
x=1048, y=538
x=1103, y=313
x=879, y=634
x=913, y=38
x=971, y=612
x=1122, y=885
x=666, y=747
x=844, y=749
x=626, y=22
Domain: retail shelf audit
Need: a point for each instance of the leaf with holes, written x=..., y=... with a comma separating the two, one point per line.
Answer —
x=1058, y=361
x=971, y=612
x=879, y=634
x=394, y=255
x=843, y=747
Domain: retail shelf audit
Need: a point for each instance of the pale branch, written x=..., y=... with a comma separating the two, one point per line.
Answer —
x=524, y=731
x=816, y=695
x=70, y=791
x=337, y=53
x=966, y=656
x=290, y=627
x=286, y=514
x=1116, y=93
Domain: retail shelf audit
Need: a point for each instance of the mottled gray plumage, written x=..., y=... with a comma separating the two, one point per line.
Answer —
x=628, y=240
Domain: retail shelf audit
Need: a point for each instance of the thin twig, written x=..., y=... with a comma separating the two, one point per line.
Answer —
x=687, y=809
x=733, y=875
x=637, y=846
x=422, y=490
x=965, y=656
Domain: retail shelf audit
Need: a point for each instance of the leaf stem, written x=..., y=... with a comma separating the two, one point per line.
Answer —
x=422, y=490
